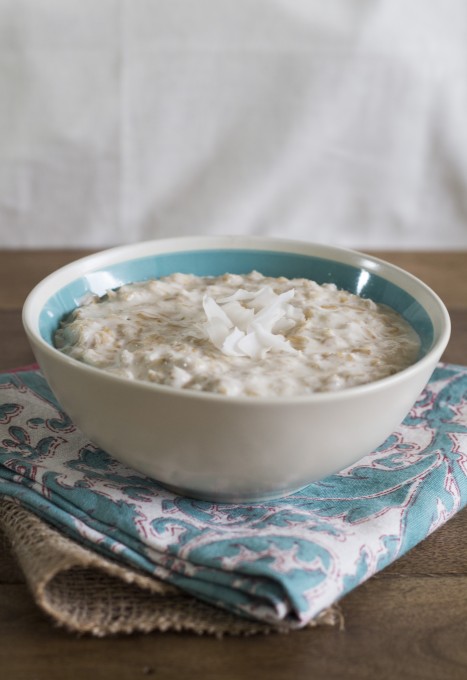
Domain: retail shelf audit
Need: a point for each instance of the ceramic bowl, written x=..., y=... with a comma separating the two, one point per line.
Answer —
x=223, y=448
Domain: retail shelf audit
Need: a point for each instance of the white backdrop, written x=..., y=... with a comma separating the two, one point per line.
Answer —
x=340, y=121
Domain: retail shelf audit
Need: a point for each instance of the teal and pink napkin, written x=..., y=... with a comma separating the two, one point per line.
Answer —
x=280, y=562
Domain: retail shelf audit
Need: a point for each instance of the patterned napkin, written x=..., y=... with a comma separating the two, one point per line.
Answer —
x=280, y=562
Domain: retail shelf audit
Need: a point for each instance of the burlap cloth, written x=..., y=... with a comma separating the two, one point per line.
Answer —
x=86, y=593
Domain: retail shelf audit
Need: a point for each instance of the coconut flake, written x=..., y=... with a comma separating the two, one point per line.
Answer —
x=240, y=294
x=214, y=311
x=240, y=316
x=251, y=329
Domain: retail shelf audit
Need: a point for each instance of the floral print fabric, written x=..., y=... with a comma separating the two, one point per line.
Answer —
x=282, y=561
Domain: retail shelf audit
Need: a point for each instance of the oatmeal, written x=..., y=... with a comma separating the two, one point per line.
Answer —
x=246, y=335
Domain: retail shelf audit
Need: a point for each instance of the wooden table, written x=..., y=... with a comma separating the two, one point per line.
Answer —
x=409, y=621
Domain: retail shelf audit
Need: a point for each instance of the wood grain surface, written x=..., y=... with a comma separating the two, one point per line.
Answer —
x=409, y=621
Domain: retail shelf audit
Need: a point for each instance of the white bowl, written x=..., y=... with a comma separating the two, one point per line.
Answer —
x=232, y=448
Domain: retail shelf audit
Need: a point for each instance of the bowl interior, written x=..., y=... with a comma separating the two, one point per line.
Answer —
x=214, y=262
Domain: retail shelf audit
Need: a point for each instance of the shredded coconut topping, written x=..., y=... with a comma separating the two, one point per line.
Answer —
x=248, y=324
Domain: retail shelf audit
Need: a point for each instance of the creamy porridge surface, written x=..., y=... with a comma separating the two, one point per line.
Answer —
x=239, y=335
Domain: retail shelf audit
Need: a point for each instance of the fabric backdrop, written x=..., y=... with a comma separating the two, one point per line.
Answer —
x=340, y=121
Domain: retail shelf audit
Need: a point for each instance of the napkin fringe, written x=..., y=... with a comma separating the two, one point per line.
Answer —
x=86, y=593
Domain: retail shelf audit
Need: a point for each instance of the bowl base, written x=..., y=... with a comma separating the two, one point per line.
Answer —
x=231, y=497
